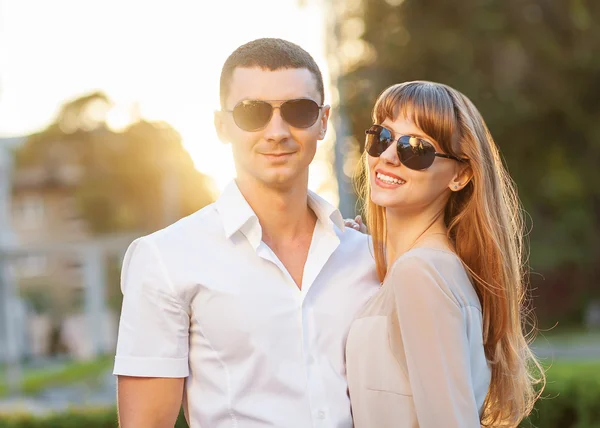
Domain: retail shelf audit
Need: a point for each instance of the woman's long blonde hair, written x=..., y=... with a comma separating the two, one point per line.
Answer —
x=485, y=225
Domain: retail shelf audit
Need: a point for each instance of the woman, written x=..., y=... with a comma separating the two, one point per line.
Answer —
x=441, y=345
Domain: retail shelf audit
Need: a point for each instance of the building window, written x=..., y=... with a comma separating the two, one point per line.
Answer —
x=32, y=266
x=70, y=209
x=30, y=211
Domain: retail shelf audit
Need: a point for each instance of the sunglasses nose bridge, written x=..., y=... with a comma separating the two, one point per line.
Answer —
x=390, y=154
x=276, y=128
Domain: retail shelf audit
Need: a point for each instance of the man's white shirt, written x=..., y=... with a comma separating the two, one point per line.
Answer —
x=206, y=299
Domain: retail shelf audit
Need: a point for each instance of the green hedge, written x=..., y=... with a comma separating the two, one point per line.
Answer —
x=100, y=418
x=571, y=400
x=87, y=419
x=36, y=380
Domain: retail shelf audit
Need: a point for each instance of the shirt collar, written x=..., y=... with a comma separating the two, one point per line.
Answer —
x=234, y=210
x=236, y=213
x=324, y=211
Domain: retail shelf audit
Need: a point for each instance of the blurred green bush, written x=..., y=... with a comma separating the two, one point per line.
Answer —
x=36, y=380
x=571, y=398
x=94, y=418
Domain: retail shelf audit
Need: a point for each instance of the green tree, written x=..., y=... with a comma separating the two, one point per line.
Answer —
x=139, y=179
x=533, y=70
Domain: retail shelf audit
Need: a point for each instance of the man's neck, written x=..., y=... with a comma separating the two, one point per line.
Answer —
x=283, y=212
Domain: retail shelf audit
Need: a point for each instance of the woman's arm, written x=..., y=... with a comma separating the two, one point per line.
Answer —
x=435, y=341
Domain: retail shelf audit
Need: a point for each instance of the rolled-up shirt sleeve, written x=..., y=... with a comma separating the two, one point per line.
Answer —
x=434, y=335
x=154, y=325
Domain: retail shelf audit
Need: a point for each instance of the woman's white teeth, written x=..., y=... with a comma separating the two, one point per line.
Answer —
x=388, y=179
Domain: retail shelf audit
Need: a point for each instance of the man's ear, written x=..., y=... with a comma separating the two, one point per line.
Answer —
x=221, y=126
x=461, y=178
x=324, y=121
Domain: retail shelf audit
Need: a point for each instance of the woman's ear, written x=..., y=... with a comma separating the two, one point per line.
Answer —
x=461, y=178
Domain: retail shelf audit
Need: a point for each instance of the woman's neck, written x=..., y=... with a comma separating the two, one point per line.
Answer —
x=407, y=231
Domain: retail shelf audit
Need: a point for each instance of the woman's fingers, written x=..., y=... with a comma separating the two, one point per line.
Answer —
x=352, y=223
x=356, y=224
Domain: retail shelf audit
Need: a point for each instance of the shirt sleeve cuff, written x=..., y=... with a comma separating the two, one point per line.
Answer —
x=152, y=367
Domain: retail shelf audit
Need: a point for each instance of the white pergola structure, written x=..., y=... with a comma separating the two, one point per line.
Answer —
x=93, y=254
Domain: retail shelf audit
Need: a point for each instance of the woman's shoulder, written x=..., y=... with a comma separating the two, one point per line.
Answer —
x=424, y=258
x=433, y=270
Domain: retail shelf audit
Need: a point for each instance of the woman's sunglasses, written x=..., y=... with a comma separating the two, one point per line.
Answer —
x=414, y=152
x=254, y=115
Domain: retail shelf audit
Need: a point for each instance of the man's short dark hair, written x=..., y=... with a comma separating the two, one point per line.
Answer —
x=269, y=54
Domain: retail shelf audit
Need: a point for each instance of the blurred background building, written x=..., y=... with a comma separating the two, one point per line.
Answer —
x=106, y=134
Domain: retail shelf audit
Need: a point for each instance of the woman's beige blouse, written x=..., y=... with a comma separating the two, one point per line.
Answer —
x=415, y=353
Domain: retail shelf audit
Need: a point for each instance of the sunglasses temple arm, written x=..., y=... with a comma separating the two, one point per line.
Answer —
x=444, y=155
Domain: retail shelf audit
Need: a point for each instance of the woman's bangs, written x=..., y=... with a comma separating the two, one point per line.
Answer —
x=428, y=106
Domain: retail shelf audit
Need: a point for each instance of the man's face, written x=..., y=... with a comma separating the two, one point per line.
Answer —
x=278, y=155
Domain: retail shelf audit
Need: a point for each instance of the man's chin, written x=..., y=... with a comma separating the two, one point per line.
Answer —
x=282, y=177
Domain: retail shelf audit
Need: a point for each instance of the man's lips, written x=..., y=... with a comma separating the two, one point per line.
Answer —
x=278, y=155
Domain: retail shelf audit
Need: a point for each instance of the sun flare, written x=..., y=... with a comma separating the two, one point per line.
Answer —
x=159, y=60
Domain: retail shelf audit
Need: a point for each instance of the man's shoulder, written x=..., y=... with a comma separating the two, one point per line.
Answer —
x=354, y=259
x=351, y=239
x=199, y=225
x=355, y=246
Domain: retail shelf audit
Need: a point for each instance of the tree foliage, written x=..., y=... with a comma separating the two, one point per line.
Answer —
x=137, y=179
x=533, y=69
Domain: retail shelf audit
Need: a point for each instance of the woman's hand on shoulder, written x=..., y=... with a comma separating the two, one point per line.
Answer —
x=356, y=224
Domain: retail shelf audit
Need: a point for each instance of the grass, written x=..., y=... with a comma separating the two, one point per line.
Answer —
x=561, y=370
x=568, y=336
x=38, y=379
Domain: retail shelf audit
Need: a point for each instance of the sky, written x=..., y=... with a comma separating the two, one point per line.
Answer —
x=164, y=56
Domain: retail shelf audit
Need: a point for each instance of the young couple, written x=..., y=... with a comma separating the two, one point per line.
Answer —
x=264, y=310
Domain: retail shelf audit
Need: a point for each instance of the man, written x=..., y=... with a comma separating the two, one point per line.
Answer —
x=241, y=310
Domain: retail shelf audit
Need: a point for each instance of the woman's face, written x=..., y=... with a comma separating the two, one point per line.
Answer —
x=396, y=187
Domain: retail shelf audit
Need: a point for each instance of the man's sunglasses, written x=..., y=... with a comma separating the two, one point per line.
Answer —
x=414, y=152
x=254, y=115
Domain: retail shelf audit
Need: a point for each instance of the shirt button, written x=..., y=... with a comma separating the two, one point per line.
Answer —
x=321, y=414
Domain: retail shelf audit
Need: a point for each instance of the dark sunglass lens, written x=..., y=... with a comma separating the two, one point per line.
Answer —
x=252, y=115
x=415, y=153
x=377, y=141
x=300, y=113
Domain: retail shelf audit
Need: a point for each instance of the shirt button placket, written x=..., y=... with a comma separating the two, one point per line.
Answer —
x=314, y=381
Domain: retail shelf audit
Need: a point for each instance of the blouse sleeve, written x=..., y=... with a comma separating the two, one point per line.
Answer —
x=434, y=335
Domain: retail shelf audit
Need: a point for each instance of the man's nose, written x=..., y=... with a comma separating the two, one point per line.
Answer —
x=277, y=129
